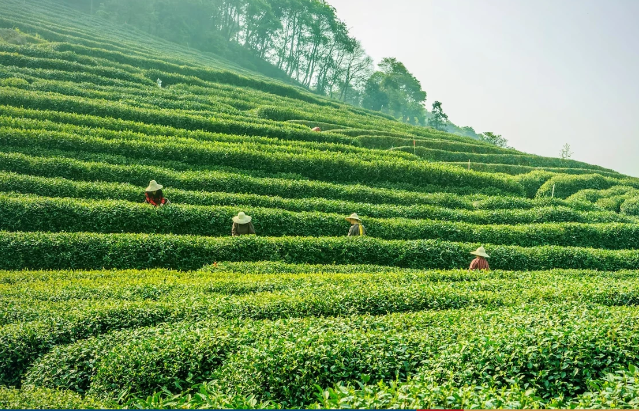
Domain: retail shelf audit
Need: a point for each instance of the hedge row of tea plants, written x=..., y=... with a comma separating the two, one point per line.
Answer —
x=263, y=358
x=44, y=398
x=616, y=389
x=92, y=303
x=543, y=213
x=196, y=139
x=388, y=142
x=275, y=290
x=516, y=170
x=109, y=168
x=34, y=213
x=93, y=251
x=103, y=108
x=316, y=165
x=511, y=158
x=567, y=185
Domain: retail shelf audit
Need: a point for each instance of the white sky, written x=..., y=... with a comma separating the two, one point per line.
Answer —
x=541, y=73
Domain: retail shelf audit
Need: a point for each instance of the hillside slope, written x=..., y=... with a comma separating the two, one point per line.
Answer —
x=138, y=300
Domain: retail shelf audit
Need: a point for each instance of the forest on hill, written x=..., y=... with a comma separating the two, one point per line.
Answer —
x=303, y=41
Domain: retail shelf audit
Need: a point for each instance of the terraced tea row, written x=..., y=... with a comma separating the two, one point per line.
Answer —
x=545, y=212
x=438, y=155
x=103, y=369
x=171, y=118
x=92, y=303
x=196, y=139
x=275, y=290
x=93, y=251
x=35, y=213
x=119, y=169
x=516, y=170
x=483, y=157
x=122, y=125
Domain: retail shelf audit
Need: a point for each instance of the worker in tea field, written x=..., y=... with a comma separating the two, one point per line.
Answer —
x=154, y=196
x=316, y=129
x=480, y=262
x=357, y=229
x=242, y=225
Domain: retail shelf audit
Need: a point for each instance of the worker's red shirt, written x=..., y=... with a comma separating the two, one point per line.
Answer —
x=479, y=263
x=150, y=200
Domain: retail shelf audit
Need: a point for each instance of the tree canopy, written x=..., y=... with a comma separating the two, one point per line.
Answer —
x=493, y=138
x=439, y=119
x=393, y=89
x=301, y=39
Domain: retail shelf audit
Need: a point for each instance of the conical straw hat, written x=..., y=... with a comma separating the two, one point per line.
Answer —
x=242, y=218
x=480, y=252
x=153, y=186
x=355, y=217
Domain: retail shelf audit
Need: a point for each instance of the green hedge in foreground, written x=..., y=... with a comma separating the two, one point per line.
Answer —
x=618, y=390
x=219, y=294
x=96, y=251
x=44, y=398
x=285, y=360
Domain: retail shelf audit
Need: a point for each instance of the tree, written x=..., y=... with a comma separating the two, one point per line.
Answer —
x=565, y=152
x=374, y=97
x=399, y=88
x=358, y=66
x=299, y=39
x=439, y=119
x=494, y=139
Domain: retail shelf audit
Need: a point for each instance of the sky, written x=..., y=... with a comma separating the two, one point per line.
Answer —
x=542, y=73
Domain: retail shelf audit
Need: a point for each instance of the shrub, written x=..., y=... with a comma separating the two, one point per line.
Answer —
x=315, y=165
x=29, y=213
x=14, y=82
x=567, y=185
x=630, y=206
x=501, y=158
x=44, y=398
x=278, y=114
x=493, y=210
x=95, y=251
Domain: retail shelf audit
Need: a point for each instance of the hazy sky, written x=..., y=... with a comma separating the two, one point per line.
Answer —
x=541, y=73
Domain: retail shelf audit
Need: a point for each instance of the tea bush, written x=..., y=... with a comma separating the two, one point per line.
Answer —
x=31, y=213
x=94, y=251
x=487, y=211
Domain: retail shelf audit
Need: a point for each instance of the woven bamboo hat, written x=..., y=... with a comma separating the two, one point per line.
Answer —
x=354, y=217
x=153, y=186
x=480, y=252
x=242, y=218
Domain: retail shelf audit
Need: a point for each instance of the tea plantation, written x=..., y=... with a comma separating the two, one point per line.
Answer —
x=109, y=302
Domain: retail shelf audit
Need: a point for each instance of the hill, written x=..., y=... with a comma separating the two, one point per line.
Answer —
x=107, y=301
